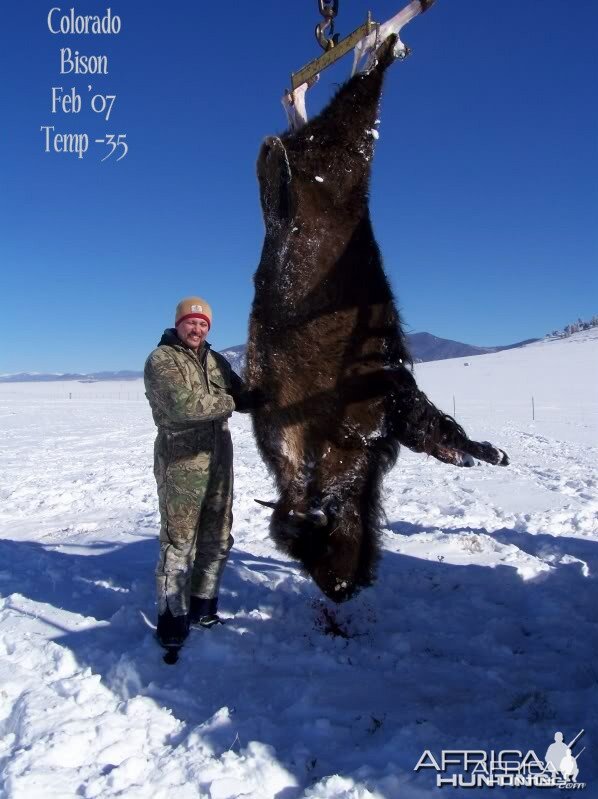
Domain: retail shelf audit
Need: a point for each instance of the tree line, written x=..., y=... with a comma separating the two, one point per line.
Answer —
x=575, y=327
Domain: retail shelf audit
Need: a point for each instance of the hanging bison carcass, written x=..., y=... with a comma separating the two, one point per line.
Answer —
x=326, y=348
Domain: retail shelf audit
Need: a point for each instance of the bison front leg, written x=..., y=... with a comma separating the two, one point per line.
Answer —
x=422, y=427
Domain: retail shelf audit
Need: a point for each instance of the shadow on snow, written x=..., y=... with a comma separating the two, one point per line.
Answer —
x=434, y=655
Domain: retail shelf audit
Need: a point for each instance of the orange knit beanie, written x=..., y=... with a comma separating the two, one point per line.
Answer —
x=193, y=307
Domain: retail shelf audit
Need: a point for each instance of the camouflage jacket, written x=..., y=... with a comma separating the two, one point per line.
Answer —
x=189, y=391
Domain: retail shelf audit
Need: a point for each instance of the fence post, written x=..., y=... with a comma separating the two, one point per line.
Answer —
x=70, y=395
x=454, y=408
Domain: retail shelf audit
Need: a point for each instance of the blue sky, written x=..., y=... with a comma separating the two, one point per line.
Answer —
x=484, y=195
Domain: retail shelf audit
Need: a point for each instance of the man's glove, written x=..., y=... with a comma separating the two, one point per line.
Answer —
x=250, y=400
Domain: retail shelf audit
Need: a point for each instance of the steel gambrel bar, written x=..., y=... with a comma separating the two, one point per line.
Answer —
x=330, y=56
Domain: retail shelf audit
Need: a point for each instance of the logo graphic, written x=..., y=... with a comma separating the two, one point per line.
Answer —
x=196, y=308
x=507, y=768
x=560, y=758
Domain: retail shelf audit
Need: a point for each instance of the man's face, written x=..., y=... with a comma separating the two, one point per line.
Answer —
x=192, y=332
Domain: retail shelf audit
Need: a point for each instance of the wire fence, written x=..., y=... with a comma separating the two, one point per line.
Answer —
x=118, y=396
x=534, y=407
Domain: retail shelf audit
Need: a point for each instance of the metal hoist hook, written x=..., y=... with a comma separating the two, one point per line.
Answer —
x=328, y=10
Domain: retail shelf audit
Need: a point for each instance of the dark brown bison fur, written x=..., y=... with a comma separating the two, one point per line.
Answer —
x=327, y=350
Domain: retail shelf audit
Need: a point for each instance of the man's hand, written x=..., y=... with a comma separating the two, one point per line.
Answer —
x=250, y=400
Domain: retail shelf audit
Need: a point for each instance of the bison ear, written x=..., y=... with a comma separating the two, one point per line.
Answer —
x=274, y=175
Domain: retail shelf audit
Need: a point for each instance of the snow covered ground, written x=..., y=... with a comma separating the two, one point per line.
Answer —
x=481, y=632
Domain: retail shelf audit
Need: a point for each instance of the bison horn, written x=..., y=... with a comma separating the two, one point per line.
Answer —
x=321, y=516
x=265, y=503
x=316, y=517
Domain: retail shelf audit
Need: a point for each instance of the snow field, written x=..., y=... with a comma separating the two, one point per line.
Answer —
x=480, y=632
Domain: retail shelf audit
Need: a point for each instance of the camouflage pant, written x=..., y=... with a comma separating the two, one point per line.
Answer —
x=195, y=493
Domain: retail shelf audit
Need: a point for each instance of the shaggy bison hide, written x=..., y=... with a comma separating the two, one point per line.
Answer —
x=326, y=349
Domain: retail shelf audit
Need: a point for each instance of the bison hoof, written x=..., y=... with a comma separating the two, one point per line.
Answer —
x=401, y=51
x=494, y=455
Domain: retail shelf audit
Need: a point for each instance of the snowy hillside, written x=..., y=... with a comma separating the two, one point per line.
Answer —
x=481, y=632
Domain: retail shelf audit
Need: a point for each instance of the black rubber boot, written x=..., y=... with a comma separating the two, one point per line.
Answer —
x=172, y=630
x=204, y=612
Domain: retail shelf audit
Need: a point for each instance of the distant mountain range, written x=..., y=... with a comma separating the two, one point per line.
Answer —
x=423, y=346
x=41, y=377
x=426, y=347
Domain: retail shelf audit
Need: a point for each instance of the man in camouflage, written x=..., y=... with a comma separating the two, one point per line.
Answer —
x=192, y=392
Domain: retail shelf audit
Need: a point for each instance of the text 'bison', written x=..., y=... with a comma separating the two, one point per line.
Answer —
x=326, y=348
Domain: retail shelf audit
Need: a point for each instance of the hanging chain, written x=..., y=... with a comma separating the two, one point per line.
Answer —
x=329, y=10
